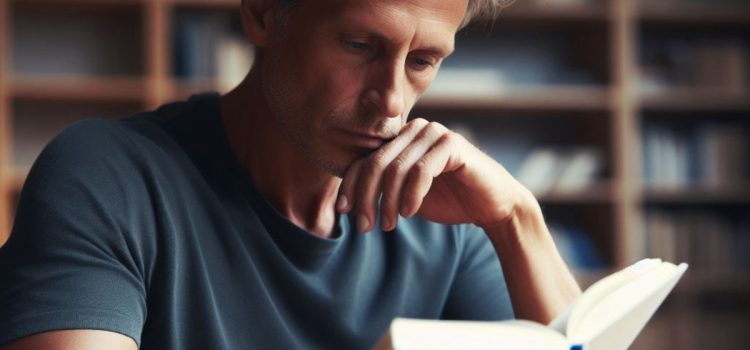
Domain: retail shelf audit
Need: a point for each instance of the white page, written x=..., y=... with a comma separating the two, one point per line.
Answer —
x=600, y=290
x=615, y=322
x=412, y=334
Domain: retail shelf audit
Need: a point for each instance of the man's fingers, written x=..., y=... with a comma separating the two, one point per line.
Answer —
x=396, y=172
x=344, y=201
x=363, y=187
x=420, y=176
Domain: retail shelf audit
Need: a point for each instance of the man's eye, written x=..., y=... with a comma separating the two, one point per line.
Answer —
x=422, y=63
x=357, y=45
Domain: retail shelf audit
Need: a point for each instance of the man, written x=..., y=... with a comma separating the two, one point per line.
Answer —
x=301, y=210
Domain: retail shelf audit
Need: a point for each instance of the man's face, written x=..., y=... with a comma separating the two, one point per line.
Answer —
x=340, y=76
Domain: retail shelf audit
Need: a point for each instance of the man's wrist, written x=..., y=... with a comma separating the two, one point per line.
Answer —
x=524, y=223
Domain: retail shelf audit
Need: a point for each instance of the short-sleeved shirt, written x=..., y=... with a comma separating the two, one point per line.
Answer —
x=148, y=226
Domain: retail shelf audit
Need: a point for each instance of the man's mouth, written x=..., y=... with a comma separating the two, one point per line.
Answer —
x=363, y=140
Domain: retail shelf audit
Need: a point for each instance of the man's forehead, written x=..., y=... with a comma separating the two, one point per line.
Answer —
x=393, y=20
x=448, y=11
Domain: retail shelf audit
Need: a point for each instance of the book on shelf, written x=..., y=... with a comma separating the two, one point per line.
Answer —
x=710, y=154
x=707, y=240
x=721, y=65
x=208, y=47
x=560, y=168
x=608, y=315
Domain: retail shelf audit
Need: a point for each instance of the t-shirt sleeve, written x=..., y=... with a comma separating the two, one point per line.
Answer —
x=73, y=260
x=479, y=291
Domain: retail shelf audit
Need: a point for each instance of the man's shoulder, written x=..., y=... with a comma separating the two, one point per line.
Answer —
x=126, y=138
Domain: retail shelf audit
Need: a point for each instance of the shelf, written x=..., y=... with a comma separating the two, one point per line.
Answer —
x=568, y=98
x=693, y=98
x=213, y=4
x=88, y=4
x=76, y=88
x=601, y=192
x=552, y=11
x=695, y=13
x=697, y=195
x=709, y=281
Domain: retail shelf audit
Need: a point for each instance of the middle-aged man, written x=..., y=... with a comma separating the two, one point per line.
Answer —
x=301, y=210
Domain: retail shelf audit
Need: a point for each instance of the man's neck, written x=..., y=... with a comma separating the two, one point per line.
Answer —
x=298, y=189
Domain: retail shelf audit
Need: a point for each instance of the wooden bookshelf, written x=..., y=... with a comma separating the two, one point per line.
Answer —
x=78, y=88
x=610, y=104
x=693, y=98
x=549, y=98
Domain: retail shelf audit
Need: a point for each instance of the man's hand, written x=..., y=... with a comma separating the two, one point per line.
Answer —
x=430, y=170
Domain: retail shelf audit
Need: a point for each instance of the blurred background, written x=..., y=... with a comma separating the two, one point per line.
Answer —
x=630, y=120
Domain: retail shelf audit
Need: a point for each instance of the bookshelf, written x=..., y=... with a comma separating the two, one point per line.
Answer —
x=565, y=76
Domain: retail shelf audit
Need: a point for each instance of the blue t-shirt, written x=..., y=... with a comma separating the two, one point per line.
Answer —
x=149, y=227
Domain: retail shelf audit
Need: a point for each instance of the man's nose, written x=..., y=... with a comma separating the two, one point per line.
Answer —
x=385, y=92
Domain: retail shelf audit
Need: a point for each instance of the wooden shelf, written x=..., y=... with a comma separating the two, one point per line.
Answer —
x=557, y=98
x=213, y=4
x=694, y=98
x=695, y=13
x=553, y=11
x=76, y=88
x=699, y=281
x=87, y=4
x=697, y=195
x=596, y=193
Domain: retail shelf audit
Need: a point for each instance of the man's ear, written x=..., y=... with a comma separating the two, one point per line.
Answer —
x=257, y=17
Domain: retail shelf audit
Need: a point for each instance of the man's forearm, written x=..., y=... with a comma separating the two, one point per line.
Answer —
x=539, y=282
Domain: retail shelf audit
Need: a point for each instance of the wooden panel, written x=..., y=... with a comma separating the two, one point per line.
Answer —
x=4, y=117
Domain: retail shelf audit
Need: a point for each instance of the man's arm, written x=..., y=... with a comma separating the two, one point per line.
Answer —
x=539, y=282
x=77, y=339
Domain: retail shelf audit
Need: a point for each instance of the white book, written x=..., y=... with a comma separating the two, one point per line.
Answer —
x=540, y=170
x=608, y=315
x=580, y=170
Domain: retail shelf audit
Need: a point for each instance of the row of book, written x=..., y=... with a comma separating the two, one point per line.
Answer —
x=695, y=62
x=563, y=169
x=706, y=240
x=712, y=155
x=210, y=46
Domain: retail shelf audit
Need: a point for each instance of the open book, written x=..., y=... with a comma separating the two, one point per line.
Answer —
x=608, y=315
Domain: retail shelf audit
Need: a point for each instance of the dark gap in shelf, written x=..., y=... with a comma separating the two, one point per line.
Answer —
x=58, y=40
x=698, y=55
x=537, y=53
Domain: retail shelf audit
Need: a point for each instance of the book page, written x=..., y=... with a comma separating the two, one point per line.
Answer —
x=413, y=334
x=615, y=321
x=573, y=315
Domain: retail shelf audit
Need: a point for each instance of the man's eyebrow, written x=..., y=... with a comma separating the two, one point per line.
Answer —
x=443, y=51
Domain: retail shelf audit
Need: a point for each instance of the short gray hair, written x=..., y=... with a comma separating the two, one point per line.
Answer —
x=483, y=10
